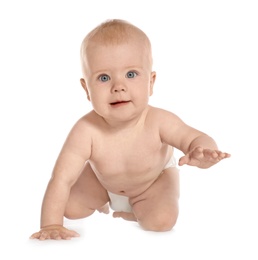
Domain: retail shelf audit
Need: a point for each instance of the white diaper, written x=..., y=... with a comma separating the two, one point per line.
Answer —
x=121, y=203
x=171, y=163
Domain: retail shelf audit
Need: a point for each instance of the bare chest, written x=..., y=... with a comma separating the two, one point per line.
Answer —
x=123, y=155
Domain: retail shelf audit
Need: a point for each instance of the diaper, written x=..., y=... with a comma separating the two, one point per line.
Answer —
x=170, y=163
x=121, y=203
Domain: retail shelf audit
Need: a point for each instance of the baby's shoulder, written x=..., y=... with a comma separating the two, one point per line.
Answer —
x=90, y=120
x=159, y=113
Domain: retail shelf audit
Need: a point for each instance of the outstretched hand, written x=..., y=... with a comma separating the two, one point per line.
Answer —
x=202, y=158
x=55, y=232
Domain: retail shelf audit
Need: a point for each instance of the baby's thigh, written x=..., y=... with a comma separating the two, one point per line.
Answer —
x=157, y=207
x=87, y=192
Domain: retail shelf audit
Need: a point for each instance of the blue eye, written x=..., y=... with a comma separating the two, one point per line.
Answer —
x=131, y=74
x=104, y=78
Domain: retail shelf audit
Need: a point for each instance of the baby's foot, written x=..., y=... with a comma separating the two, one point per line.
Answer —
x=125, y=215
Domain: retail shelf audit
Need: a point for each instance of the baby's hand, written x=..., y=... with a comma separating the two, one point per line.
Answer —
x=203, y=158
x=55, y=232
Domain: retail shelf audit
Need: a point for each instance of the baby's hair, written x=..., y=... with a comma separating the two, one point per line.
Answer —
x=113, y=32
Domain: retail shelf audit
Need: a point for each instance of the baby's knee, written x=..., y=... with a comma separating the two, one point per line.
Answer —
x=70, y=215
x=73, y=213
x=160, y=222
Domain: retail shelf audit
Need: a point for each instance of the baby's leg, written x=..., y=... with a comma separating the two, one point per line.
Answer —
x=86, y=196
x=157, y=208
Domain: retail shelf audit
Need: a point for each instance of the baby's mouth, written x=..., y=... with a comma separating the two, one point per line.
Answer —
x=119, y=102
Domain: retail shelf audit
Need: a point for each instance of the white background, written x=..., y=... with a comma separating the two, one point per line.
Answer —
x=206, y=59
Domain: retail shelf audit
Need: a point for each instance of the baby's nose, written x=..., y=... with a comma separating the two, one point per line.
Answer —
x=119, y=86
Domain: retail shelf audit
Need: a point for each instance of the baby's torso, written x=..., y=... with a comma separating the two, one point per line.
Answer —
x=127, y=162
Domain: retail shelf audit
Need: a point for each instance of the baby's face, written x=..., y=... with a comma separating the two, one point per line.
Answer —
x=118, y=79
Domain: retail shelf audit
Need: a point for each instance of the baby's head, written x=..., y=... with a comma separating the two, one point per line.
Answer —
x=117, y=70
x=112, y=33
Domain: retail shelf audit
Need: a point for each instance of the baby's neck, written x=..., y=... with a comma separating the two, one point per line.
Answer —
x=125, y=125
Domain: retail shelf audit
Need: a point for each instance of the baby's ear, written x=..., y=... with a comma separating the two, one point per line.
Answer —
x=84, y=85
x=152, y=81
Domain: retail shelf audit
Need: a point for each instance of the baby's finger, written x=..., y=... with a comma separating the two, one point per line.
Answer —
x=227, y=155
x=183, y=160
x=210, y=153
x=68, y=234
x=44, y=235
x=35, y=235
x=222, y=155
x=73, y=233
x=55, y=235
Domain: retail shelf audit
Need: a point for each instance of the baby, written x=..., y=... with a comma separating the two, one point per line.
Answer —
x=120, y=154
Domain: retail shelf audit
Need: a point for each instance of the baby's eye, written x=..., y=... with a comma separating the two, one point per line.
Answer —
x=131, y=74
x=104, y=78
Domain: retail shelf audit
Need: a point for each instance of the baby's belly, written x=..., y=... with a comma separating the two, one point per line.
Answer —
x=129, y=183
x=127, y=189
x=130, y=175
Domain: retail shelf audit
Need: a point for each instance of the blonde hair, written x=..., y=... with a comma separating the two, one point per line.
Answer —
x=114, y=31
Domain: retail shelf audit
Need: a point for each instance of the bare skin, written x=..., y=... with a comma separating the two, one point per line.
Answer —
x=122, y=145
x=149, y=188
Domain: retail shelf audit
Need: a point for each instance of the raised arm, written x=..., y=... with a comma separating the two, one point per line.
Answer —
x=199, y=149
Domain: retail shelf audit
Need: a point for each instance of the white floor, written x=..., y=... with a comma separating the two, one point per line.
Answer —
x=205, y=55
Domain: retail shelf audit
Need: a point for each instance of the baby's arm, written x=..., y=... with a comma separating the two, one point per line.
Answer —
x=200, y=149
x=66, y=171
